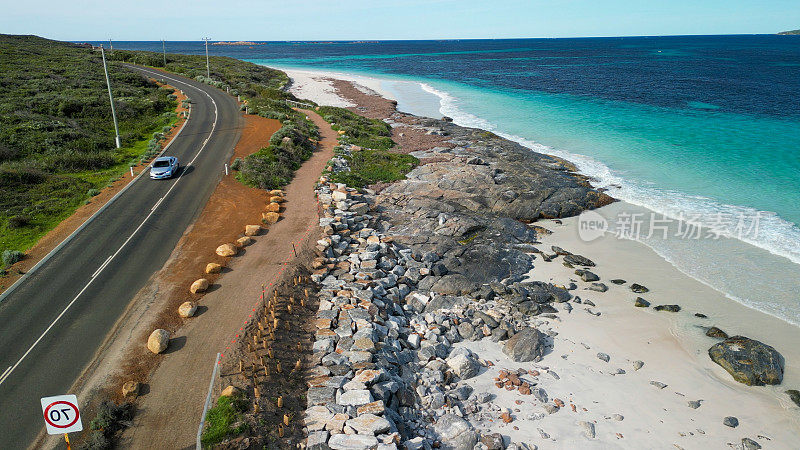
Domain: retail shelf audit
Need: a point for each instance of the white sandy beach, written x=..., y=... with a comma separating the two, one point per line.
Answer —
x=673, y=347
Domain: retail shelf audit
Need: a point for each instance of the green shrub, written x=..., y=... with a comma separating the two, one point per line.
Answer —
x=92, y=192
x=10, y=257
x=221, y=418
x=373, y=166
x=19, y=221
x=236, y=164
x=358, y=130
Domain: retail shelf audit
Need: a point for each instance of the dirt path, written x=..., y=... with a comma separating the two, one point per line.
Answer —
x=169, y=414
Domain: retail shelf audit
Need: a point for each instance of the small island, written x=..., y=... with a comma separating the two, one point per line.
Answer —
x=238, y=43
x=790, y=32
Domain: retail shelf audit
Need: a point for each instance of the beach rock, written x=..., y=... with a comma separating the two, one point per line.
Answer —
x=694, y=404
x=618, y=417
x=716, y=333
x=588, y=429
x=639, y=289
x=559, y=251
x=158, y=341
x=252, y=230
x=199, y=286
x=597, y=287
x=244, y=241
x=270, y=217
x=227, y=250
x=669, y=308
x=454, y=284
x=187, y=309
x=578, y=260
x=701, y=315
x=641, y=303
x=730, y=421
x=463, y=366
x=353, y=442
x=550, y=408
x=455, y=433
x=638, y=365
x=603, y=357
x=369, y=424
x=618, y=281
x=527, y=345
x=213, y=268
x=749, y=361
x=131, y=388
x=749, y=444
x=493, y=441
x=658, y=384
x=794, y=395
x=586, y=275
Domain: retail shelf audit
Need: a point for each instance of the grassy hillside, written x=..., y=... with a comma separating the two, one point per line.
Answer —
x=56, y=132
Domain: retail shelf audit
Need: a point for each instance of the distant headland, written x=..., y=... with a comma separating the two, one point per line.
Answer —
x=790, y=32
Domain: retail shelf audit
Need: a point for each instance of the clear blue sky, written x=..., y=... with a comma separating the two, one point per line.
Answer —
x=386, y=19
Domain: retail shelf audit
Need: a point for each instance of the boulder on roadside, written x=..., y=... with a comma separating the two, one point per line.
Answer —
x=187, y=309
x=199, y=286
x=527, y=345
x=274, y=207
x=749, y=361
x=275, y=192
x=252, y=230
x=229, y=391
x=227, y=250
x=158, y=341
x=270, y=217
x=213, y=268
x=455, y=433
x=131, y=389
x=244, y=241
x=277, y=199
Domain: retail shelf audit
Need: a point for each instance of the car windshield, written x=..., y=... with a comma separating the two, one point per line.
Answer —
x=162, y=163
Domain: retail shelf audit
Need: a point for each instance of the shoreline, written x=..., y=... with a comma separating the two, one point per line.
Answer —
x=752, y=261
x=672, y=345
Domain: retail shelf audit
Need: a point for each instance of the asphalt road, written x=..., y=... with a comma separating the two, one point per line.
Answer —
x=53, y=323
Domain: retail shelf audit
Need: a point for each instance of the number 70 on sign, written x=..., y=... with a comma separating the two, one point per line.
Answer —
x=61, y=414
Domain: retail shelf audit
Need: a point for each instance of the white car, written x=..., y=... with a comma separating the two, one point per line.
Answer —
x=164, y=167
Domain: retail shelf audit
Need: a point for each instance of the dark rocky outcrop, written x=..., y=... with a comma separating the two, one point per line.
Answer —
x=794, y=395
x=749, y=361
x=641, y=303
x=639, y=289
x=668, y=308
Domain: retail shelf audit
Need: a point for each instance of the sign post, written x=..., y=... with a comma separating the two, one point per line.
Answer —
x=61, y=415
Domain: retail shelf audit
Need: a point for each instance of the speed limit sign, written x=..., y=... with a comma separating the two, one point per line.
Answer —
x=61, y=414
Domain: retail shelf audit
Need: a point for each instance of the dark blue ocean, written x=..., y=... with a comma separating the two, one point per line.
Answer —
x=703, y=125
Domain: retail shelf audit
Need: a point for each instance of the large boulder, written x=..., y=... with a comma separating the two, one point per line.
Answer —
x=187, y=309
x=749, y=361
x=454, y=284
x=198, y=286
x=131, y=389
x=252, y=230
x=227, y=250
x=463, y=366
x=352, y=442
x=213, y=268
x=527, y=345
x=244, y=241
x=274, y=207
x=270, y=217
x=158, y=341
x=455, y=433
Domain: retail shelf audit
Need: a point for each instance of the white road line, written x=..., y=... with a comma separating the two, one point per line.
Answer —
x=157, y=203
x=103, y=266
x=11, y=369
x=5, y=374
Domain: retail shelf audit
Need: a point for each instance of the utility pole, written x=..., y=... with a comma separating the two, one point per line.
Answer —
x=110, y=97
x=208, y=69
x=110, y=47
x=164, y=51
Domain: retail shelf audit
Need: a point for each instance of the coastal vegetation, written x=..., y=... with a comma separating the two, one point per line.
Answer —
x=364, y=145
x=57, y=144
x=224, y=419
x=261, y=91
x=790, y=32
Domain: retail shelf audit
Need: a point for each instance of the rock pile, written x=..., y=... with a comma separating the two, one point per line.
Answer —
x=388, y=374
